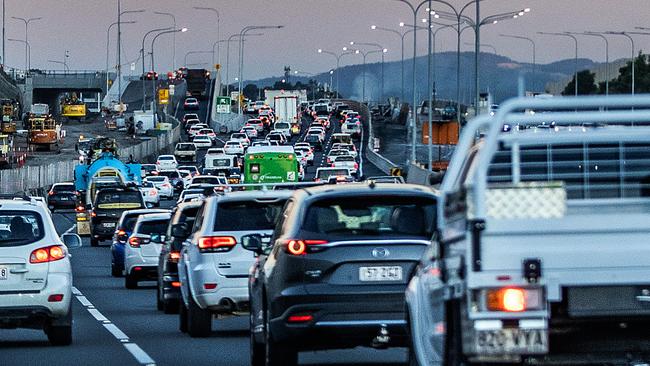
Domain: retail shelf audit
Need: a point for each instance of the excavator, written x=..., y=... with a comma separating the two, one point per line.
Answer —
x=43, y=130
x=72, y=108
x=9, y=115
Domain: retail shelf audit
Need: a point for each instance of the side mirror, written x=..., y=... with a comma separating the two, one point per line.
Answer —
x=252, y=242
x=72, y=241
x=436, y=178
x=180, y=230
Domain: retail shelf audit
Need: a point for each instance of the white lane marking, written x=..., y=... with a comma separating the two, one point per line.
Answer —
x=138, y=353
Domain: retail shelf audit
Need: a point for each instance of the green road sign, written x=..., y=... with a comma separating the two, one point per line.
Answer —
x=223, y=105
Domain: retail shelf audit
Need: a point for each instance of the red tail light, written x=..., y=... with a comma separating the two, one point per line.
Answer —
x=216, y=243
x=47, y=254
x=300, y=318
x=93, y=214
x=157, y=162
x=166, y=185
x=80, y=209
x=356, y=165
x=135, y=242
x=55, y=298
x=174, y=256
x=50, y=193
x=299, y=247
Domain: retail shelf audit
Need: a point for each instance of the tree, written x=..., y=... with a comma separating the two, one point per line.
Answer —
x=586, y=84
x=251, y=91
x=622, y=84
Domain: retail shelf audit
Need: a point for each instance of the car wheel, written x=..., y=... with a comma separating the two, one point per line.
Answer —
x=159, y=302
x=257, y=351
x=116, y=271
x=278, y=354
x=170, y=306
x=59, y=335
x=130, y=282
x=199, y=321
x=94, y=242
x=182, y=317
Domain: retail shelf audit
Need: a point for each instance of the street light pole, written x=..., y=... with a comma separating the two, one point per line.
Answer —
x=27, y=54
x=576, y=53
x=174, y=40
x=29, y=48
x=144, y=94
x=218, y=26
x=154, y=105
x=108, y=41
x=338, y=63
x=600, y=35
x=401, y=35
x=242, y=34
x=382, y=50
x=625, y=34
x=194, y=53
x=532, y=42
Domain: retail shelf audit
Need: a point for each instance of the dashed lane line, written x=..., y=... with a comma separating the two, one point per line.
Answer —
x=138, y=353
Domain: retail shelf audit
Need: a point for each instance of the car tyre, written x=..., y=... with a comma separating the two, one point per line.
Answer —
x=182, y=317
x=257, y=350
x=116, y=271
x=278, y=354
x=170, y=306
x=159, y=301
x=130, y=282
x=94, y=242
x=59, y=335
x=199, y=321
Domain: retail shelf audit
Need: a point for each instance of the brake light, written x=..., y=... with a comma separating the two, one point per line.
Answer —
x=157, y=162
x=50, y=193
x=300, y=318
x=176, y=284
x=356, y=165
x=80, y=208
x=47, y=254
x=153, y=192
x=93, y=214
x=174, y=256
x=55, y=298
x=216, y=243
x=513, y=299
x=299, y=247
x=135, y=242
x=209, y=286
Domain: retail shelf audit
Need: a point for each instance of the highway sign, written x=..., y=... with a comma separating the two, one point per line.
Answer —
x=163, y=96
x=223, y=104
x=234, y=94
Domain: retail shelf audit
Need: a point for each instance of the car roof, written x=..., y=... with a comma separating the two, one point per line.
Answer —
x=155, y=216
x=143, y=211
x=254, y=195
x=378, y=189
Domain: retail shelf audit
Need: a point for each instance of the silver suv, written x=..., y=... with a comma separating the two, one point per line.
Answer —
x=213, y=268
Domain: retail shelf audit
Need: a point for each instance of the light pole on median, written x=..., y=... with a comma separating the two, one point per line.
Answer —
x=108, y=42
x=28, y=47
x=338, y=57
x=625, y=34
x=365, y=55
x=174, y=40
x=144, y=95
x=153, y=44
x=599, y=35
x=214, y=10
x=575, y=40
x=532, y=42
x=383, y=51
x=27, y=52
x=242, y=34
x=194, y=53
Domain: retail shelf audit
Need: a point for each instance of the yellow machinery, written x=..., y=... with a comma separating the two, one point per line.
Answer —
x=8, y=123
x=5, y=151
x=73, y=108
x=43, y=130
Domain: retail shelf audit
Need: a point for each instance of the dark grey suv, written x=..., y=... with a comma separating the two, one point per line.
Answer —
x=336, y=269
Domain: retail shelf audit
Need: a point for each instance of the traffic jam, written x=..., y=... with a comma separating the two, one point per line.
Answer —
x=509, y=260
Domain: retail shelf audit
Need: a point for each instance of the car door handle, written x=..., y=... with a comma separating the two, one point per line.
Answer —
x=17, y=271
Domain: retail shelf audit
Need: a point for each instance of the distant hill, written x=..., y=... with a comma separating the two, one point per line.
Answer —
x=499, y=75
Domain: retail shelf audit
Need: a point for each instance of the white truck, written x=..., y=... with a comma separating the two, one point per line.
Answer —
x=541, y=254
x=269, y=95
x=286, y=108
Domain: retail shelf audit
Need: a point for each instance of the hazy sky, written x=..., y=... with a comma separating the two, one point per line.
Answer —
x=80, y=26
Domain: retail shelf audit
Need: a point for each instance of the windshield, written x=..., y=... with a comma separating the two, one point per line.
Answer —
x=153, y=227
x=125, y=200
x=344, y=158
x=20, y=228
x=170, y=174
x=247, y=215
x=371, y=216
x=165, y=158
x=221, y=162
x=209, y=180
x=63, y=188
x=324, y=174
x=185, y=147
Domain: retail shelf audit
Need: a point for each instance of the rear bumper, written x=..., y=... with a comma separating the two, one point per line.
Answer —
x=231, y=294
x=345, y=321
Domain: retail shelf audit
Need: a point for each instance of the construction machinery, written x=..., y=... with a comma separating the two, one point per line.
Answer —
x=73, y=108
x=44, y=132
x=6, y=151
x=9, y=111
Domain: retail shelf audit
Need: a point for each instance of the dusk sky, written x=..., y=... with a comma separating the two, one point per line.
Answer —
x=80, y=26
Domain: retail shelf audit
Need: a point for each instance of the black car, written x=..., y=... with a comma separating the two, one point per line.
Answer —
x=62, y=195
x=174, y=178
x=336, y=269
x=107, y=210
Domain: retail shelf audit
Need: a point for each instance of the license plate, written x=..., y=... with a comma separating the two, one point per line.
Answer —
x=4, y=272
x=108, y=224
x=64, y=198
x=375, y=274
x=512, y=341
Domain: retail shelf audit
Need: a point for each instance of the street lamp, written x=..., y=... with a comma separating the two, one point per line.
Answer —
x=174, y=40
x=576, y=55
x=194, y=53
x=383, y=50
x=625, y=34
x=108, y=41
x=365, y=55
x=599, y=35
x=242, y=34
x=218, y=25
x=27, y=51
x=532, y=42
x=63, y=63
x=484, y=45
x=144, y=96
x=338, y=62
x=153, y=44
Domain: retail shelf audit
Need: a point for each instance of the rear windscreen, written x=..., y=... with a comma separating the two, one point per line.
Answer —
x=20, y=228
x=373, y=216
x=247, y=216
x=325, y=174
x=170, y=175
x=63, y=188
x=186, y=147
x=118, y=200
x=153, y=227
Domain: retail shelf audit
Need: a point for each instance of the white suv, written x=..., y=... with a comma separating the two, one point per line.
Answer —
x=143, y=248
x=213, y=269
x=35, y=272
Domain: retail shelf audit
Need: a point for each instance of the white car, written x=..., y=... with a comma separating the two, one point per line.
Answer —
x=191, y=103
x=250, y=131
x=35, y=271
x=166, y=162
x=301, y=155
x=150, y=194
x=163, y=185
x=317, y=131
x=345, y=161
x=258, y=124
x=142, y=249
x=283, y=128
x=215, y=151
x=233, y=148
x=207, y=132
x=334, y=153
x=196, y=128
x=262, y=143
x=213, y=268
x=202, y=142
x=349, y=147
x=352, y=127
x=308, y=153
x=241, y=137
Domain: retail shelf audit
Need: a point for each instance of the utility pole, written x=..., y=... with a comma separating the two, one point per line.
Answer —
x=119, y=52
x=4, y=60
